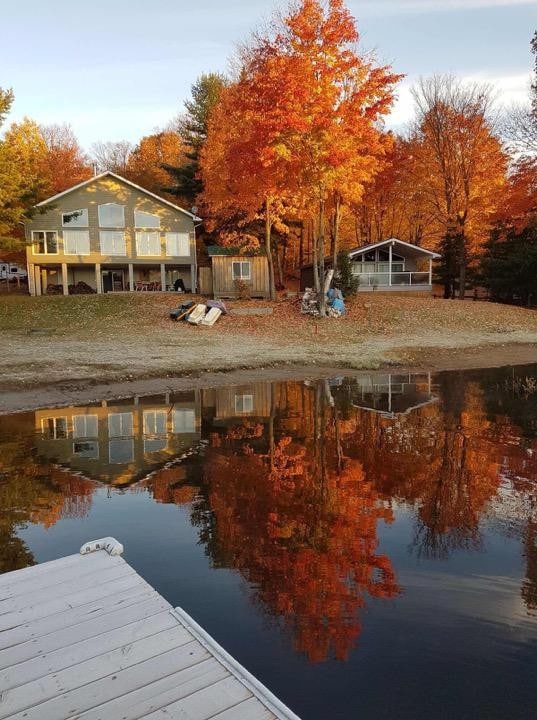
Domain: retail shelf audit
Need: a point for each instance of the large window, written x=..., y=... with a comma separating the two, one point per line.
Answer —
x=111, y=215
x=85, y=426
x=76, y=242
x=45, y=242
x=146, y=220
x=54, y=428
x=241, y=270
x=120, y=425
x=113, y=242
x=183, y=421
x=75, y=218
x=177, y=244
x=148, y=243
x=120, y=451
x=155, y=422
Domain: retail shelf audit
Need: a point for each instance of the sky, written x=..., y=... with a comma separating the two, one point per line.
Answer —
x=120, y=69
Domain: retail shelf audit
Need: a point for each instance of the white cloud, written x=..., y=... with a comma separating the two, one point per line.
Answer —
x=395, y=7
x=508, y=90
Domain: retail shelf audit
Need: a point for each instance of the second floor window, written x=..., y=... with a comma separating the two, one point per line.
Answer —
x=146, y=220
x=113, y=242
x=75, y=218
x=45, y=242
x=147, y=243
x=76, y=242
x=111, y=215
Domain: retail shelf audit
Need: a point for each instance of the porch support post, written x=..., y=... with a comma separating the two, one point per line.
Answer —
x=163, y=277
x=37, y=277
x=98, y=278
x=31, y=278
x=44, y=280
x=430, y=271
x=131, y=277
x=193, y=278
x=390, y=254
x=65, y=281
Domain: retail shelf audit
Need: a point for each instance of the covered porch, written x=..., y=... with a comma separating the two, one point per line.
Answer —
x=393, y=265
x=71, y=278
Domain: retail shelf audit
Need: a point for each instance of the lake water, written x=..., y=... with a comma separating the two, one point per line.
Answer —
x=367, y=547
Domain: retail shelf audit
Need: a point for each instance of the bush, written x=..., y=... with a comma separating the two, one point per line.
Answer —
x=344, y=278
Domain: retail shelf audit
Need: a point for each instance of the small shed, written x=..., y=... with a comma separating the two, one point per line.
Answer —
x=236, y=273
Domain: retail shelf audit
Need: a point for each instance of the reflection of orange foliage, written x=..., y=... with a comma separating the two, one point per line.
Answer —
x=302, y=532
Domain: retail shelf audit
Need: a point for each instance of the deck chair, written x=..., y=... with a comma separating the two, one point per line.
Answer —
x=211, y=317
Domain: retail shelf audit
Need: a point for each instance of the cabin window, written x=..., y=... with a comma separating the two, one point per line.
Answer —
x=177, y=244
x=183, y=421
x=148, y=243
x=155, y=422
x=112, y=242
x=120, y=425
x=112, y=215
x=45, y=242
x=54, y=428
x=75, y=218
x=146, y=220
x=244, y=404
x=241, y=270
x=85, y=426
x=76, y=242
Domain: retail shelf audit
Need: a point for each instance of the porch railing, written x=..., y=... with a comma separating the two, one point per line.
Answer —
x=382, y=279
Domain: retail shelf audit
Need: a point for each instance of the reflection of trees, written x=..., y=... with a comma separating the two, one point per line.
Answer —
x=299, y=520
x=30, y=492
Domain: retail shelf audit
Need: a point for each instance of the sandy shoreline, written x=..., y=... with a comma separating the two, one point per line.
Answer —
x=84, y=391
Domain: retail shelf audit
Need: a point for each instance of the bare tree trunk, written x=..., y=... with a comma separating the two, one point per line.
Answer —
x=268, y=248
x=320, y=258
x=301, y=246
x=337, y=220
x=462, y=265
x=279, y=266
x=315, y=261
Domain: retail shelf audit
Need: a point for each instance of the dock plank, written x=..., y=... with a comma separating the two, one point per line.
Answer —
x=86, y=638
x=64, y=637
x=67, y=618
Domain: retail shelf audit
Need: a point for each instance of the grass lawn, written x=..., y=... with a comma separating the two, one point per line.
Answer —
x=103, y=337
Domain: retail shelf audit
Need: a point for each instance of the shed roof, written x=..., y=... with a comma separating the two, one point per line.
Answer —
x=52, y=199
x=407, y=248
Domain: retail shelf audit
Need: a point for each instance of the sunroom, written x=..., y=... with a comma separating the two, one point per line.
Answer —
x=393, y=265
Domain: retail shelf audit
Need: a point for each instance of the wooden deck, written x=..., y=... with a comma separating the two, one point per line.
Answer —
x=86, y=637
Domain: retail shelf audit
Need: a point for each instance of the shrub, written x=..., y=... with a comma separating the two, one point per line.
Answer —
x=344, y=278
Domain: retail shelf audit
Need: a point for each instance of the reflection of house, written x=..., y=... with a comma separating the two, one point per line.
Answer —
x=120, y=442
x=112, y=235
x=391, y=394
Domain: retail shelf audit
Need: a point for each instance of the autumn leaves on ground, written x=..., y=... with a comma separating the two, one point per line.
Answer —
x=97, y=339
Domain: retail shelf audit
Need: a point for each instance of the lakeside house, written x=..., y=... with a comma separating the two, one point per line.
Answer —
x=112, y=235
x=388, y=266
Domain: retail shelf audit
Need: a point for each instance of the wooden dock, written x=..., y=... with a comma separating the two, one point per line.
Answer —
x=86, y=637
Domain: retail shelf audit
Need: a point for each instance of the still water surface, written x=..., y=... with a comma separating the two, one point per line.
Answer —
x=367, y=547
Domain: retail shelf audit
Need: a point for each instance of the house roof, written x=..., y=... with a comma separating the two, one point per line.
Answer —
x=52, y=199
x=218, y=250
x=416, y=249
